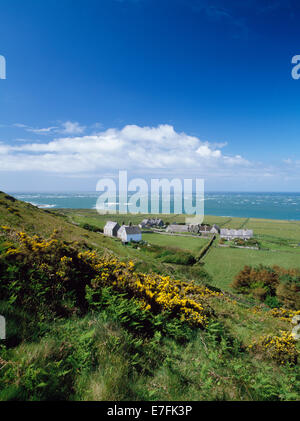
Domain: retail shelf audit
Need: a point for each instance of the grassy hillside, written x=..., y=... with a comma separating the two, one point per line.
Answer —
x=90, y=319
x=28, y=218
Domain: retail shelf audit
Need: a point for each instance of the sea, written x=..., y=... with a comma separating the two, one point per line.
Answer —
x=284, y=206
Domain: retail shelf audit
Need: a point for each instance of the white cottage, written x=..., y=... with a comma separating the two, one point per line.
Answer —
x=111, y=228
x=129, y=233
x=215, y=229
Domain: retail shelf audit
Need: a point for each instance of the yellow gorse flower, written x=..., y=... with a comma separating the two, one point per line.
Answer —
x=284, y=314
x=184, y=300
x=280, y=348
x=154, y=291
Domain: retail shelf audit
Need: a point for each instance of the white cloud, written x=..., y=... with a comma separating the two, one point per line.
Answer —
x=20, y=125
x=70, y=127
x=290, y=163
x=67, y=128
x=133, y=148
x=205, y=152
x=46, y=130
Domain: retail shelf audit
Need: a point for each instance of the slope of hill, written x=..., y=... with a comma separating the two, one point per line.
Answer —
x=84, y=323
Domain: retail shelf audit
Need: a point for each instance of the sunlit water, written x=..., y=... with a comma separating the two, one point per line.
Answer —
x=256, y=205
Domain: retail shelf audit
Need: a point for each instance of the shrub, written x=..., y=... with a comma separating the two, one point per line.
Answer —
x=277, y=281
x=284, y=314
x=51, y=277
x=260, y=293
x=281, y=349
x=272, y=302
x=289, y=294
x=92, y=228
x=179, y=258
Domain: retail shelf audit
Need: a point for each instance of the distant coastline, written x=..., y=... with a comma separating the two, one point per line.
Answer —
x=273, y=206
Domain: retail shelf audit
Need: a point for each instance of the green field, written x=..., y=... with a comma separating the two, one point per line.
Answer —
x=224, y=263
x=193, y=245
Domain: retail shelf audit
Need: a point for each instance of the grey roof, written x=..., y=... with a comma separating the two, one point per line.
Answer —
x=131, y=229
x=178, y=228
x=152, y=221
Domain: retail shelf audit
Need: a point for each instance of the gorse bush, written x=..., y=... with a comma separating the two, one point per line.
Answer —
x=281, y=348
x=253, y=277
x=53, y=278
x=288, y=292
x=43, y=277
x=284, y=314
x=265, y=282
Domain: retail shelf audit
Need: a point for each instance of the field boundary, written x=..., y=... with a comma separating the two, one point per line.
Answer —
x=205, y=249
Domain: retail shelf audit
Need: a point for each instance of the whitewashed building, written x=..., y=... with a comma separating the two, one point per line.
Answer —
x=215, y=229
x=128, y=233
x=111, y=228
x=230, y=234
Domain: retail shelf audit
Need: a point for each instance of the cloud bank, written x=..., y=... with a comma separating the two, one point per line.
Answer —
x=133, y=148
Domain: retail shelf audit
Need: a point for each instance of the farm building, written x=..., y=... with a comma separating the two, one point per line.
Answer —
x=111, y=228
x=129, y=233
x=177, y=228
x=204, y=229
x=144, y=223
x=230, y=234
x=215, y=229
x=152, y=222
x=194, y=228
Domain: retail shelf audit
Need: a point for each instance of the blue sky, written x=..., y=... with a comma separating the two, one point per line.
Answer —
x=157, y=87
